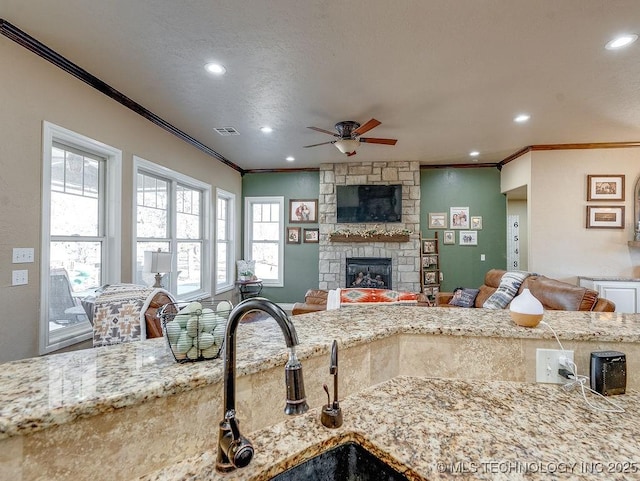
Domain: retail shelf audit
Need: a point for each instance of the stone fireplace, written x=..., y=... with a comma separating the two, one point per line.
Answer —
x=404, y=256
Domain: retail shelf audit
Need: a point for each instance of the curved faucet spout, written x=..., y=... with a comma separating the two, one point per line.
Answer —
x=234, y=450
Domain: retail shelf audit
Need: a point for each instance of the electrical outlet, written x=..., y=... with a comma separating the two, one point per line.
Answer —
x=19, y=278
x=548, y=363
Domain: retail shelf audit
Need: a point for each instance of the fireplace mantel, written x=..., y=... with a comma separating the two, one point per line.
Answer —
x=369, y=238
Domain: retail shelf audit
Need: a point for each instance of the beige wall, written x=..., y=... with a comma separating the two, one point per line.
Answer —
x=560, y=245
x=33, y=91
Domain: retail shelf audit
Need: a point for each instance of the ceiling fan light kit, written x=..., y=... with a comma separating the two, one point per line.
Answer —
x=348, y=133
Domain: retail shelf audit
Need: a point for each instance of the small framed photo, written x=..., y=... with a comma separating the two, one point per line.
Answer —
x=605, y=187
x=429, y=246
x=605, y=217
x=431, y=277
x=303, y=210
x=476, y=222
x=311, y=236
x=437, y=220
x=293, y=235
x=449, y=237
x=459, y=217
x=468, y=238
x=430, y=260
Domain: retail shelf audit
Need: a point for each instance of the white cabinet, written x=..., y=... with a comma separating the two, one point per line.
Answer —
x=624, y=293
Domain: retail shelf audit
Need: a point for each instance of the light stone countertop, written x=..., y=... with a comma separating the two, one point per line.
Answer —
x=40, y=393
x=453, y=429
x=610, y=278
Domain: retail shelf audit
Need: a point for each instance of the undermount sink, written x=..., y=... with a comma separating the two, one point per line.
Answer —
x=347, y=462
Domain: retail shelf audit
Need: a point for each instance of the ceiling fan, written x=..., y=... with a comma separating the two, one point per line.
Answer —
x=348, y=133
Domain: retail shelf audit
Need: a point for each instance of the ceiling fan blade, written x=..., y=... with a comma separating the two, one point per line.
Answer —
x=366, y=127
x=323, y=143
x=323, y=131
x=373, y=140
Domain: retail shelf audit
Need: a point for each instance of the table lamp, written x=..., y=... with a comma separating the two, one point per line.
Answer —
x=158, y=262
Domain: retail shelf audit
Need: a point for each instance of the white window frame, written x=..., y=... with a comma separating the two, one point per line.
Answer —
x=248, y=234
x=144, y=166
x=113, y=209
x=230, y=199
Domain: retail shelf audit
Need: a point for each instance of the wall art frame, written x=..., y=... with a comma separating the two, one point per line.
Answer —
x=605, y=187
x=476, y=222
x=293, y=235
x=449, y=237
x=311, y=236
x=429, y=246
x=303, y=211
x=468, y=238
x=459, y=217
x=605, y=217
x=437, y=220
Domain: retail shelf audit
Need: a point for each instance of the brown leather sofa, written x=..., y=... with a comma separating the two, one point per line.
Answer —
x=316, y=300
x=553, y=294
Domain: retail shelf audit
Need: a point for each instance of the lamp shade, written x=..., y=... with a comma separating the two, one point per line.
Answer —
x=347, y=146
x=157, y=261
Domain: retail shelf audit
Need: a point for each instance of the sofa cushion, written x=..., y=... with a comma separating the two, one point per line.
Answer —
x=464, y=297
x=562, y=296
x=507, y=290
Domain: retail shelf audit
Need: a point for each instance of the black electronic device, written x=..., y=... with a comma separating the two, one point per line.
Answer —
x=369, y=203
x=608, y=372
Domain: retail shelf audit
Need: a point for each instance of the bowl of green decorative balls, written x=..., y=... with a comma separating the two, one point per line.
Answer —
x=195, y=330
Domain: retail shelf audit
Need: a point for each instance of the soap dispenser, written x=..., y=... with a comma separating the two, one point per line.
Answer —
x=331, y=416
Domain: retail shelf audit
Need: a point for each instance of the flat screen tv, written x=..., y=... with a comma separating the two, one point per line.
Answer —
x=369, y=203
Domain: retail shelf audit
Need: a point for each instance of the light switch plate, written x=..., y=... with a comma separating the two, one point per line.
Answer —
x=19, y=278
x=22, y=255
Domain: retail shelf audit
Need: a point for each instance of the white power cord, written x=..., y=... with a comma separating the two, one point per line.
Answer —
x=581, y=381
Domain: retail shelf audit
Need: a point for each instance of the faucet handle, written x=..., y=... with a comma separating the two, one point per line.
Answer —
x=237, y=449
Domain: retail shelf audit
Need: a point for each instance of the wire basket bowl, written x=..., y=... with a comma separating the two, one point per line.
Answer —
x=195, y=330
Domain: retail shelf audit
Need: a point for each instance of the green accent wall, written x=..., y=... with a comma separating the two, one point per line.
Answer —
x=301, y=270
x=478, y=189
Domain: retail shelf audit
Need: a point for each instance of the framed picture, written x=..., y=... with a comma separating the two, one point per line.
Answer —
x=449, y=237
x=303, y=210
x=476, y=222
x=468, y=238
x=293, y=235
x=430, y=260
x=429, y=246
x=605, y=217
x=459, y=217
x=605, y=187
x=311, y=236
x=437, y=220
x=431, y=277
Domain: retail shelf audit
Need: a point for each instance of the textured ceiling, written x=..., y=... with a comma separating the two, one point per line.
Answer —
x=443, y=76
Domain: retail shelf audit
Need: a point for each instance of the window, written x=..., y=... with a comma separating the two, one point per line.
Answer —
x=225, y=230
x=80, y=232
x=264, y=230
x=172, y=216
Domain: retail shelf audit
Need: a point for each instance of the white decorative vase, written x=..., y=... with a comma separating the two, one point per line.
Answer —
x=526, y=310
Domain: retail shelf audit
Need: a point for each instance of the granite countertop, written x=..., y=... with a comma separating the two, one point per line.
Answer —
x=451, y=429
x=610, y=278
x=44, y=392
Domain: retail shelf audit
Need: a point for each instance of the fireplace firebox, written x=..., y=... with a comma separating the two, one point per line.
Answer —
x=368, y=272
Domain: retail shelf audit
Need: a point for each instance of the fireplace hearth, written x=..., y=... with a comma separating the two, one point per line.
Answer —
x=368, y=272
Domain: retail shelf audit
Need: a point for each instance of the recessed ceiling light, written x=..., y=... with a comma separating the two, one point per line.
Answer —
x=522, y=118
x=290, y=159
x=266, y=129
x=621, y=41
x=474, y=153
x=215, y=68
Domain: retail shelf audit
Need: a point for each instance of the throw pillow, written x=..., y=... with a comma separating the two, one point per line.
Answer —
x=507, y=290
x=464, y=297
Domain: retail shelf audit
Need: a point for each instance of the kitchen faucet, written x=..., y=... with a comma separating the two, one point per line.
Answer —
x=234, y=450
